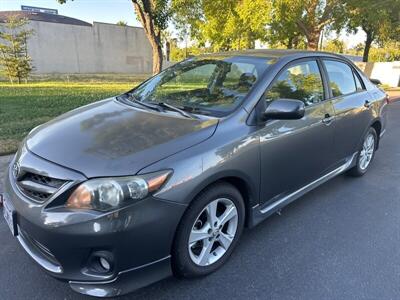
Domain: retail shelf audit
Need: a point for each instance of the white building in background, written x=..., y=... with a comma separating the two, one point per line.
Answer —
x=62, y=44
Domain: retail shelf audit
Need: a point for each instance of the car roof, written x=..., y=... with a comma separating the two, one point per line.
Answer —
x=274, y=53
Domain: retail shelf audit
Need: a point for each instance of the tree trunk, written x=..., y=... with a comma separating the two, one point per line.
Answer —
x=144, y=14
x=313, y=40
x=368, y=43
x=296, y=42
x=168, y=51
x=155, y=42
x=157, y=59
x=290, y=42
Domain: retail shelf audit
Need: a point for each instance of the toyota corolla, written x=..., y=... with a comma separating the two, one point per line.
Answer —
x=162, y=180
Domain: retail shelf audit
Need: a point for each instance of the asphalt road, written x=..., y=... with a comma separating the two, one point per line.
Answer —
x=341, y=241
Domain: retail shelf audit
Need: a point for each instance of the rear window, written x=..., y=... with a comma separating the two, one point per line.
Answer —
x=341, y=78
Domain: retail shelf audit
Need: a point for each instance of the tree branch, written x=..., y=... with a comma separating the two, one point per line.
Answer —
x=324, y=23
x=303, y=27
x=140, y=13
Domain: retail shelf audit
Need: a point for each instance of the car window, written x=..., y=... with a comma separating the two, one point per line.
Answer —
x=359, y=86
x=213, y=86
x=239, y=79
x=341, y=79
x=197, y=78
x=301, y=81
x=241, y=75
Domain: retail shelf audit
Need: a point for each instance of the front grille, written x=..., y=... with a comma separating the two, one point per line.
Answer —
x=36, y=195
x=39, y=187
x=53, y=182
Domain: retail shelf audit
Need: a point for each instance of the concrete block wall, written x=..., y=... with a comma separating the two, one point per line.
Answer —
x=101, y=48
x=387, y=72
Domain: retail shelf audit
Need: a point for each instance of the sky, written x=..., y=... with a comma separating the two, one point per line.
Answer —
x=112, y=11
x=107, y=11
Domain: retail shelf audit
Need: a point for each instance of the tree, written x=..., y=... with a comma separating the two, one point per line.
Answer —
x=389, y=51
x=223, y=24
x=178, y=54
x=122, y=23
x=283, y=30
x=335, y=45
x=255, y=15
x=13, y=48
x=378, y=19
x=154, y=16
x=310, y=17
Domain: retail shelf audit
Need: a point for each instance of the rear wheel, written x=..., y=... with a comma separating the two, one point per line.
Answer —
x=209, y=231
x=365, y=154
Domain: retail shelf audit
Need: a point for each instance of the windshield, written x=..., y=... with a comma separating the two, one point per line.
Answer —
x=210, y=86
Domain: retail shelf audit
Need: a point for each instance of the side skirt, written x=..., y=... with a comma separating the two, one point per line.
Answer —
x=259, y=213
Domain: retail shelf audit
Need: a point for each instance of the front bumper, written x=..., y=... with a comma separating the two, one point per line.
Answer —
x=138, y=237
x=127, y=281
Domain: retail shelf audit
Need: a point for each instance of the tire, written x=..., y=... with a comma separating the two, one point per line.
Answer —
x=362, y=166
x=187, y=259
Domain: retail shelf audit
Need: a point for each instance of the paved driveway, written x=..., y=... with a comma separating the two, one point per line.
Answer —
x=341, y=241
x=4, y=161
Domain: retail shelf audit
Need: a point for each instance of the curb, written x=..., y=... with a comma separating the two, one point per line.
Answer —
x=395, y=99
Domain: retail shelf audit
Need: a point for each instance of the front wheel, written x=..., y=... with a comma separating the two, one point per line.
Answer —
x=209, y=231
x=365, y=154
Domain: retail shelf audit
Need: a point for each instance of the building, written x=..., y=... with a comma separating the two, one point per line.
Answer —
x=66, y=45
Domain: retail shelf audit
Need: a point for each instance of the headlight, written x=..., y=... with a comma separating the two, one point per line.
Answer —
x=108, y=193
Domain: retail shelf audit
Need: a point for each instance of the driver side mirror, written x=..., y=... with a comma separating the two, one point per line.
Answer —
x=375, y=81
x=284, y=109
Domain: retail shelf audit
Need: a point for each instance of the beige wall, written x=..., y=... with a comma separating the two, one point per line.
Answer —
x=102, y=48
x=387, y=72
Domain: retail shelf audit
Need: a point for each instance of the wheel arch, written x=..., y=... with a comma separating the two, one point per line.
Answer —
x=240, y=181
x=377, y=125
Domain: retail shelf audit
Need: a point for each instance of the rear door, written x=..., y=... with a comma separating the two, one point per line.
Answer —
x=296, y=152
x=351, y=102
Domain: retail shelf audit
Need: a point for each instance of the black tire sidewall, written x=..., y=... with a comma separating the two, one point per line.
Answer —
x=182, y=264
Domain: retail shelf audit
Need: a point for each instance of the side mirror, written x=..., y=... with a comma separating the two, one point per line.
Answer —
x=375, y=81
x=284, y=109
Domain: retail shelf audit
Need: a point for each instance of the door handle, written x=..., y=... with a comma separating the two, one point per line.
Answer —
x=327, y=120
x=367, y=104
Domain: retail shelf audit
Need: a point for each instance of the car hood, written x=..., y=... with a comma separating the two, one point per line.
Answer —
x=109, y=138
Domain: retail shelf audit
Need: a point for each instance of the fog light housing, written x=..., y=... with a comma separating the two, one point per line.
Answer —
x=105, y=264
x=100, y=263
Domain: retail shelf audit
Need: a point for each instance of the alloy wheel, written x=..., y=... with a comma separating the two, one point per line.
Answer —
x=213, y=232
x=367, y=151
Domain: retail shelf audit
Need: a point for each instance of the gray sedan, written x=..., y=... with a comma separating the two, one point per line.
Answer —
x=161, y=180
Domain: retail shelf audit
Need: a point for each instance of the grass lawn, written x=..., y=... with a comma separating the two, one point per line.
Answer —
x=23, y=107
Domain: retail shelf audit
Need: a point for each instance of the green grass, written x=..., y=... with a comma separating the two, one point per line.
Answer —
x=23, y=107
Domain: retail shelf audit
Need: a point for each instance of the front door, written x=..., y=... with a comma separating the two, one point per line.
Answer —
x=296, y=152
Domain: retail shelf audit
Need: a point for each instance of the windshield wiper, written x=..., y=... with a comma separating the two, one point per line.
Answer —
x=147, y=105
x=159, y=107
x=178, y=110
